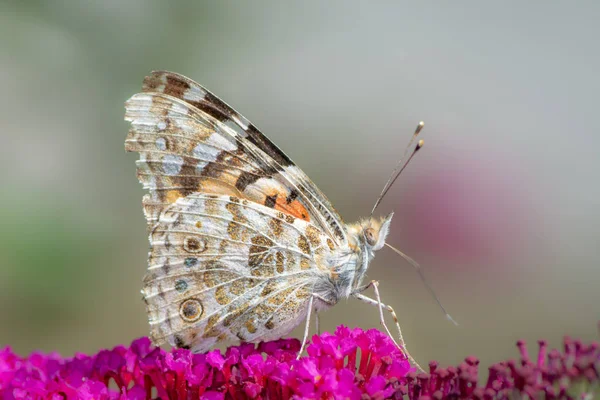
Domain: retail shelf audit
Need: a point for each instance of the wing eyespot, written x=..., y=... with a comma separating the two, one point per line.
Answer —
x=191, y=310
x=190, y=262
x=181, y=285
x=193, y=244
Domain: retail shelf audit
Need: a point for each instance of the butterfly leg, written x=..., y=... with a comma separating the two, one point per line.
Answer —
x=381, y=306
x=305, y=339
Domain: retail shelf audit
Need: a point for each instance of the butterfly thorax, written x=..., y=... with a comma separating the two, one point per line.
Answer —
x=364, y=239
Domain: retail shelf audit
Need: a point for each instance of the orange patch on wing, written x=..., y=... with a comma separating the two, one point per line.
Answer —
x=273, y=194
x=213, y=186
x=295, y=208
x=173, y=195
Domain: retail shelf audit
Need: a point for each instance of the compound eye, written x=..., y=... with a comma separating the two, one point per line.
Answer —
x=370, y=236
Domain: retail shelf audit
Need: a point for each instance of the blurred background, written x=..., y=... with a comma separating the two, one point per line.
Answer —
x=501, y=207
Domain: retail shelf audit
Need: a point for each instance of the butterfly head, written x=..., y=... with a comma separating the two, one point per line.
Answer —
x=365, y=238
x=376, y=231
x=369, y=235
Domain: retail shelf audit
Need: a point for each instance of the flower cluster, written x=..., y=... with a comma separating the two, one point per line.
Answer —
x=349, y=364
x=573, y=373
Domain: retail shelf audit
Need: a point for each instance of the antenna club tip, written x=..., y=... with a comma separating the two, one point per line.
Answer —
x=419, y=128
x=420, y=144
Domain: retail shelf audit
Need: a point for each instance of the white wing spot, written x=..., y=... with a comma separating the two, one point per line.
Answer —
x=172, y=164
x=194, y=96
x=162, y=125
x=220, y=142
x=206, y=153
x=161, y=143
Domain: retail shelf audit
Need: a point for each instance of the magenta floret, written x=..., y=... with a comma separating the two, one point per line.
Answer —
x=348, y=364
x=247, y=371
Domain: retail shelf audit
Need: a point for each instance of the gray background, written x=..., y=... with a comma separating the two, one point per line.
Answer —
x=500, y=207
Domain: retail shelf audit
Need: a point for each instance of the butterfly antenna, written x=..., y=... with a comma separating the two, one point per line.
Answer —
x=425, y=281
x=400, y=166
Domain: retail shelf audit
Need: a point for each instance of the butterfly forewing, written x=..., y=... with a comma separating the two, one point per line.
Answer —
x=183, y=152
x=285, y=187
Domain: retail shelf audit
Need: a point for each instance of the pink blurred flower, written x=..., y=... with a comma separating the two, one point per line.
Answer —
x=467, y=211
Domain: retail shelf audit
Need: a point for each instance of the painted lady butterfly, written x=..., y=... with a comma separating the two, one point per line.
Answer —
x=243, y=244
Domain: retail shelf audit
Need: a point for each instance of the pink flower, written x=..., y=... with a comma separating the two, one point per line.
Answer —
x=270, y=371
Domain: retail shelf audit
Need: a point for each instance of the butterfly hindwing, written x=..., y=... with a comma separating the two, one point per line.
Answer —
x=222, y=268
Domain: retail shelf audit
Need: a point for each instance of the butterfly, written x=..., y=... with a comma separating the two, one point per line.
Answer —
x=243, y=245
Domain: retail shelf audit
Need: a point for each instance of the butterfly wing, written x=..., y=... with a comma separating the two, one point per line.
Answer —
x=223, y=268
x=238, y=233
x=203, y=145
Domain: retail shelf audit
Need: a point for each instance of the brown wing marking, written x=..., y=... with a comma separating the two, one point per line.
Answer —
x=273, y=161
